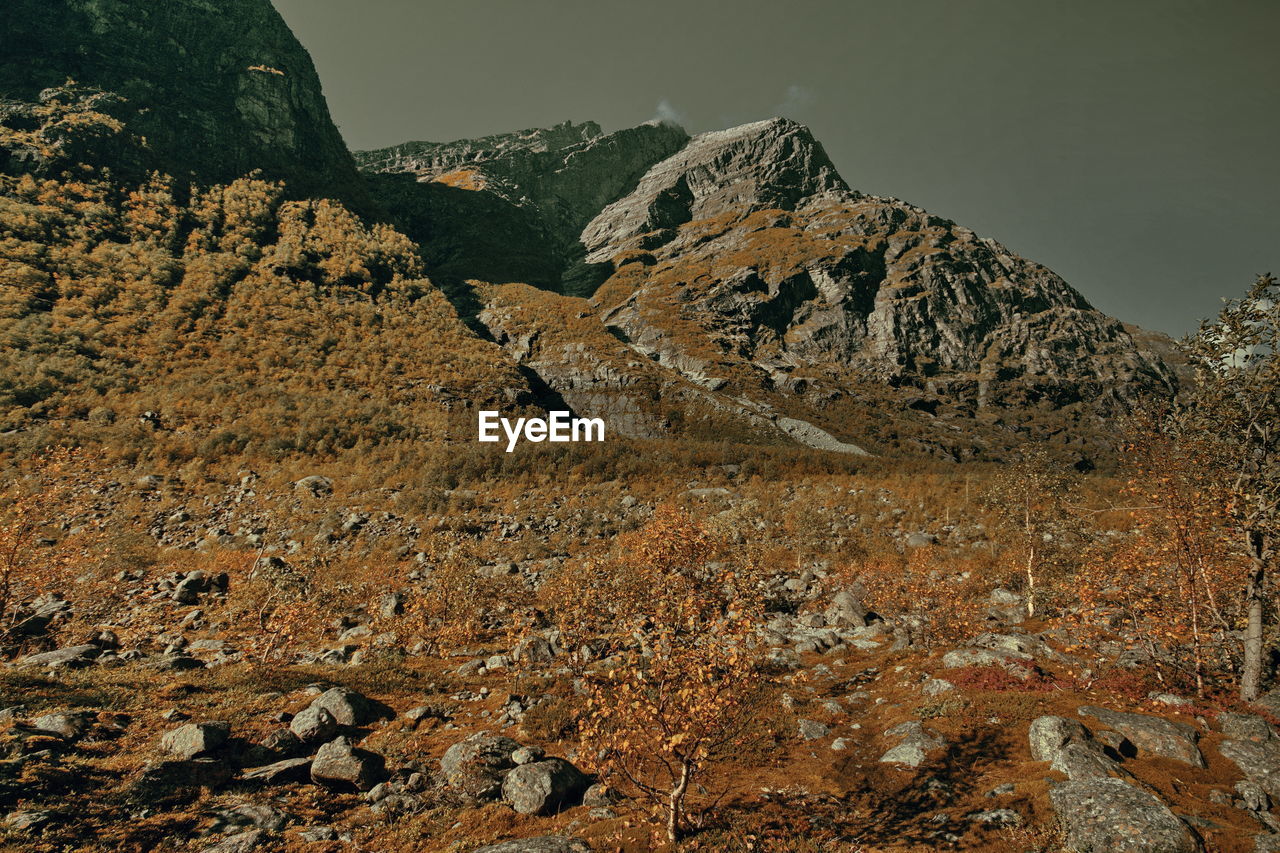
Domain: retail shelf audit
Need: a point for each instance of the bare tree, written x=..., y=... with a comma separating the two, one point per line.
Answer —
x=1234, y=406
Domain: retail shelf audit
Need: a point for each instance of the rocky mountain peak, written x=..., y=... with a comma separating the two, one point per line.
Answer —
x=775, y=163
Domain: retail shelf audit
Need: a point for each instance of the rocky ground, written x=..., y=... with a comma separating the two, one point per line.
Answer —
x=160, y=727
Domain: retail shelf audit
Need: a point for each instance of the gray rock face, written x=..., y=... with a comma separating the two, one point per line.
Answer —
x=767, y=164
x=338, y=764
x=195, y=739
x=476, y=766
x=1071, y=749
x=1111, y=816
x=218, y=89
x=1049, y=735
x=1258, y=761
x=543, y=787
x=1152, y=734
x=537, y=187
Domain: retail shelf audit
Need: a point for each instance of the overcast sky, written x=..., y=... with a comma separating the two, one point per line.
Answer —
x=1129, y=145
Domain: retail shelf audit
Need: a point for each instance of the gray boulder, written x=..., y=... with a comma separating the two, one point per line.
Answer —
x=476, y=766
x=347, y=706
x=338, y=764
x=915, y=746
x=314, y=724
x=69, y=726
x=1112, y=816
x=195, y=739
x=72, y=657
x=846, y=609
x=544, y=787
x=1048, y=735
x=1155, y=735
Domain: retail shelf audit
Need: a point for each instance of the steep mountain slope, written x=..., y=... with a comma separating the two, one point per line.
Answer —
x=742, y=262
x=218, y=89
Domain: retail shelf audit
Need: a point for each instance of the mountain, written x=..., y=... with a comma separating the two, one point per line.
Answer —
x=742, y=264
x=729, y=285
x=217, y=89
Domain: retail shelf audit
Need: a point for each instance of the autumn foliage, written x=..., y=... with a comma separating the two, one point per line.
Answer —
x=675, y=689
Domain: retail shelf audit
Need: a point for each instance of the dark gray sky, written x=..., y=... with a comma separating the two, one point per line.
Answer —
x=1129, y=145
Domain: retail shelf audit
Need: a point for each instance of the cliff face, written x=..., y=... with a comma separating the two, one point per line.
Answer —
x=218, y=89
x=741, y=263
x=512, y=207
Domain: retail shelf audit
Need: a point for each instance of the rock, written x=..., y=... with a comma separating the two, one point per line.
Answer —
x=195, y=739
x=338, y=764
x=996, y=817
x=315, y=485
x=1246, y=727
x=543, y=787
x=69, y=726
x=540, y=844
x=936, y=686
x=528, y=754
x=476, y=766
x=318, y=833
x=348, y=707
x=1259, y=762
x=71, y=657
x=256, y=815
x=30, y=820
x=1048, y=735
x=242, y=842
x=171, y=775
x=846, y=608
x=921, y=540
x=1112, y=816
x=534, y=649
x=314, y=724
x=1155, y=735
x=599, y=795
x=1253, y=796
x=915, y=746
x=280, y=773
x=1014, y=662
x=813, y=730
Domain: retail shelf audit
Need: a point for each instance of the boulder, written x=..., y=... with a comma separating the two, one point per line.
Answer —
x=1155, y=735
x=1112, y=816
x=348, y=707
x=69, y=726
x=915, y=746
x=476, y=766
x=339, y=764
x=195, y=739
x=544, y=787
x=314, y=724
x=846, y=609
x=316, y=485
x=71, y=657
